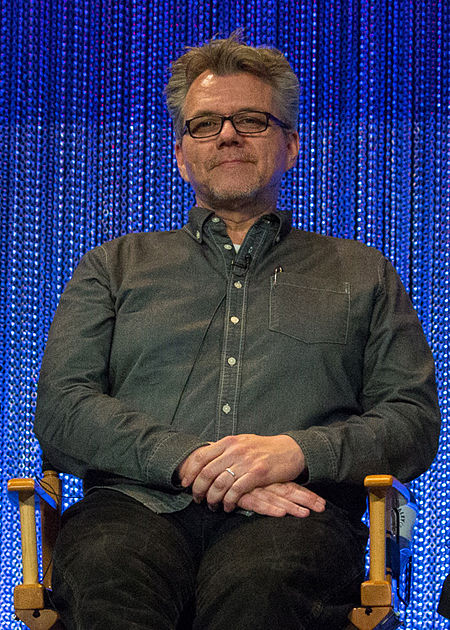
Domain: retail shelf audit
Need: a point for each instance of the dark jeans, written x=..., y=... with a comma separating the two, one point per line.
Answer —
x=118, y=565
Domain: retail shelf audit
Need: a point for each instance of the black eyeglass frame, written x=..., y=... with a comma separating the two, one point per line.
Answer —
x=268, y=115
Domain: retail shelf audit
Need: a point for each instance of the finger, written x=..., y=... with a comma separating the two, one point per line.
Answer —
x=197, y=460
x=289, y=506
x=298, y=494
x=219, y=487
x=288, y=491
x=269, y=504
x=259, y=505
x=211, y=472
x=242, y=485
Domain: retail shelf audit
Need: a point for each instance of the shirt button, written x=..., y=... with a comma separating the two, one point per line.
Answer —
x=228, y=246
x=238, y=284
x=215, y=219
x=234, y=320
x=226, y=408
x=231, y=361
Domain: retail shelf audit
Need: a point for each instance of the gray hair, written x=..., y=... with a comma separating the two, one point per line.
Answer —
x=231, y=56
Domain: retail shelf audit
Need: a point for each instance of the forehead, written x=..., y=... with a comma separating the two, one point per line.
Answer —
x=227, y=94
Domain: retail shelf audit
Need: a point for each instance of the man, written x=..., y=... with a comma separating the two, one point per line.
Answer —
x=224, y=389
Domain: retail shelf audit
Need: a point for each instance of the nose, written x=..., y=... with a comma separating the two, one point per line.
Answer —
x=228, y=134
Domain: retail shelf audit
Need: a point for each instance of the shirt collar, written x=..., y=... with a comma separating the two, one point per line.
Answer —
x=199, y=216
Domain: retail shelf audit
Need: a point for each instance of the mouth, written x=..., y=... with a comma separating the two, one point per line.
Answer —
x=231, y=162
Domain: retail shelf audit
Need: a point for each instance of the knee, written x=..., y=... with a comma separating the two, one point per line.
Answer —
x=79, y=556
x=254, y=576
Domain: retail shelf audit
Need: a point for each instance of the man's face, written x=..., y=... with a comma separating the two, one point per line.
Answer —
x=231, y=169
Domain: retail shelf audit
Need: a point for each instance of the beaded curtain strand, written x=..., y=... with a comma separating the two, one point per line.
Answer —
x=86, y=154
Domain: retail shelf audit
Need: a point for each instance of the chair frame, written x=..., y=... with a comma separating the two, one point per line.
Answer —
x=31, y=599
x=377, y=596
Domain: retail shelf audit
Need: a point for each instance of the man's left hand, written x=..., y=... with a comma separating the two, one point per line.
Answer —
x=280, y=499
x=225, y=470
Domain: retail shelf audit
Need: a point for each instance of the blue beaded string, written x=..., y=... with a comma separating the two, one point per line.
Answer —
x=376, y=114
x=363, y=216
x=135, y=167
x=348, y=144
x=313, y=121
x=424, y=233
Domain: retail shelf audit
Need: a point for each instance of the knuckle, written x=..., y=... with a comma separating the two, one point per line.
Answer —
x=197, y=458
x=230, y=440
x=309, y=497
x=220, y=483
x=206, y=475
x=289, y=490
x=283, y=491
x=261, y=470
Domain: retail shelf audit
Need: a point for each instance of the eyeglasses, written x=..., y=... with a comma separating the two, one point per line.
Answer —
x=245, y=123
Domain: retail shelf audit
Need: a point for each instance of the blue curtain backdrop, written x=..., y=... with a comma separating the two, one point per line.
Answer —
x=86, y=154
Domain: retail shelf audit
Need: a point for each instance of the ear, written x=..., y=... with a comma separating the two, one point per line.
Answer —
x=180, y=160
x=293, y=146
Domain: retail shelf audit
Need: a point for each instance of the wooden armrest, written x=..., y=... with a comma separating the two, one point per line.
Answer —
x=28, y=485
x=386, y=481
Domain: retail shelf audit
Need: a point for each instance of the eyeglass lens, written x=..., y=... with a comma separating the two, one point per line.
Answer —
x=243, y=122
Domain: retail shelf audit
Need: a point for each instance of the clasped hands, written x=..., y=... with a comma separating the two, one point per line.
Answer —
x=253, y=472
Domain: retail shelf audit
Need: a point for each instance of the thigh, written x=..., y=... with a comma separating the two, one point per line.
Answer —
x=117, y=564
x=282, y=573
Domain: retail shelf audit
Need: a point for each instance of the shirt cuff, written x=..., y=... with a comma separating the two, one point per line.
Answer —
x=167, y=456
x=320, y=460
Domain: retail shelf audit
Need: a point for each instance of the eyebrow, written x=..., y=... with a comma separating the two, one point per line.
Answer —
x=208, y=112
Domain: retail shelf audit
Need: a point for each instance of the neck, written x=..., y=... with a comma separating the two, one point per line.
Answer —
x=238, y=226
x=239, y=220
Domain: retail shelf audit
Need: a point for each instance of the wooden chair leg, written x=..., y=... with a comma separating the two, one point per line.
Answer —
x=376, y=592
x=28, y=533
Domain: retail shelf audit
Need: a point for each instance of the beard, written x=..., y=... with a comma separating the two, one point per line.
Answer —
x=237, y=194
x=233, y=180
x=233, y=192
x=228, y=185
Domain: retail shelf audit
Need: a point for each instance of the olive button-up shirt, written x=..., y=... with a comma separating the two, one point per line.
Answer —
x=166, y=341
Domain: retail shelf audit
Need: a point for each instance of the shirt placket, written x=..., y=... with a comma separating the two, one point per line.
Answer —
x=234, y=328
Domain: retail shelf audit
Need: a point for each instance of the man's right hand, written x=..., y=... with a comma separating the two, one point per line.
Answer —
x=279, y=499
x=223, y=471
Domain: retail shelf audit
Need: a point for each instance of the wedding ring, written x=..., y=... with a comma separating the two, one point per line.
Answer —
x=233, y=474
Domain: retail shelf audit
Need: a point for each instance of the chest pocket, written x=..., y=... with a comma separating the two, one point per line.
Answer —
x=312, y=311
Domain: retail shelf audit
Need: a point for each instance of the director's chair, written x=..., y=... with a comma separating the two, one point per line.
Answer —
x=381, y=594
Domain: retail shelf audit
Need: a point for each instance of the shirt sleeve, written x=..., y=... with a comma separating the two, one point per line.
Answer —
x=80, y=426
x=398, y=430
